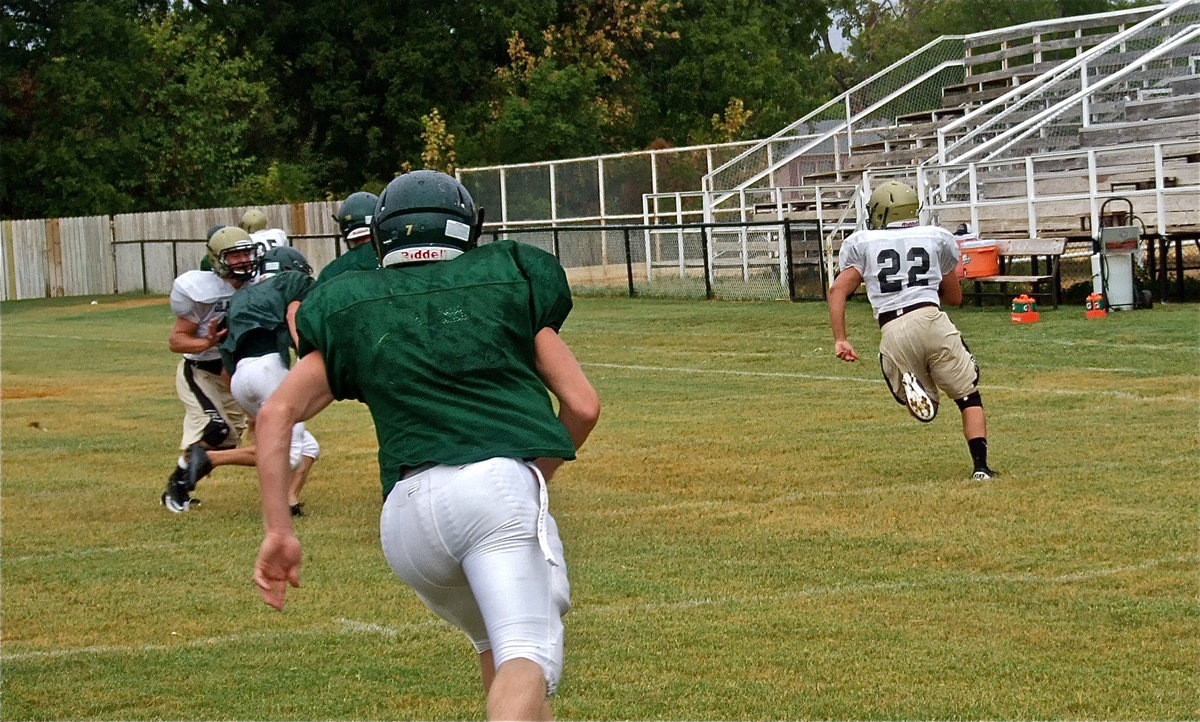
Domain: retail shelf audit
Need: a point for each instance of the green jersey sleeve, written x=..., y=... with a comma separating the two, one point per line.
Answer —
x=315, y=334
x=550, y=294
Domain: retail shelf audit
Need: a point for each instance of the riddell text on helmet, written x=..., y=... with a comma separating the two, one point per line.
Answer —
x=425, y=254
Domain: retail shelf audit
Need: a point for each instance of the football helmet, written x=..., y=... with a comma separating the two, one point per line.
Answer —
x=213, y=230
x=424, y=216
x=228, y=240
x=354, y=217
x=892, y=202
x=253, y=220
x=283, y=258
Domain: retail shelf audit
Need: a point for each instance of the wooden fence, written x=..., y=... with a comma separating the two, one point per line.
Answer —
x=139, y=252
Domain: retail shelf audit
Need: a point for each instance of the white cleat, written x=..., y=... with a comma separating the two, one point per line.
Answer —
x=920, y=404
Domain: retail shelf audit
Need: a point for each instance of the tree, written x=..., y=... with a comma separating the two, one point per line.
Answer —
x=123, y=107
x=758, y=54
x=883, y=31
x=573, y=88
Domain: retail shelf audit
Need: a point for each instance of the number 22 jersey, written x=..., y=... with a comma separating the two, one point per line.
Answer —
x=901, y=266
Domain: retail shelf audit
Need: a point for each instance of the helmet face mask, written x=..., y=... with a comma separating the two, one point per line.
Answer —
x=284, y=258
x=232, y=254
x=892, y=202
x=354, y=217
x=424, y=216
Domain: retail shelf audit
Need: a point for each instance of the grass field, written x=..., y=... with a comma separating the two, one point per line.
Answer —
x=755, y=530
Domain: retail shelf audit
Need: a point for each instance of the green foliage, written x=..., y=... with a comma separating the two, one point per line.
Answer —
x=125, y=112
x=556, y=118
x=133, y=105
x=202, y=103
x=758, y=52
x=281, y=183
x=883, y=32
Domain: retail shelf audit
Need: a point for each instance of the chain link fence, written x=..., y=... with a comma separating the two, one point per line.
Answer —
x=729, y=261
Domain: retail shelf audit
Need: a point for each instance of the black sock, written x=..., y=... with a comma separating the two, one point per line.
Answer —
x=978, y=447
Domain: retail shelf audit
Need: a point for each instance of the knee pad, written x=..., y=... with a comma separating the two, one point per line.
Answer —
x=216, y=432
x=971, y=399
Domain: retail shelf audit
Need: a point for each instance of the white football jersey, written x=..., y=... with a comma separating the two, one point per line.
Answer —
x=901, y=266
x=201, y=297
x=269, y=238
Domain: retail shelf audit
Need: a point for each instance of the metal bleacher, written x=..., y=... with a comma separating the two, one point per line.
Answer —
x=1018, y=132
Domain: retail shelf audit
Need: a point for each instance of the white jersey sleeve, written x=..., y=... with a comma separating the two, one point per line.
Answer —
x=201, y=297
x=901, y=266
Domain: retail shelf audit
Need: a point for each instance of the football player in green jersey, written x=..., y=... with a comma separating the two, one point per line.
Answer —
x=455, y=350
x=256, y=353
x=354, y=222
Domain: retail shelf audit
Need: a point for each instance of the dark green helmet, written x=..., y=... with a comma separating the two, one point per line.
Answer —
x=424, y=216
x=354, y=217
x=283, y=258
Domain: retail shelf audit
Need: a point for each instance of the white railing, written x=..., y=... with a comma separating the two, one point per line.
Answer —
x=1161, y=179
x=855, y=106
x=1070, y=77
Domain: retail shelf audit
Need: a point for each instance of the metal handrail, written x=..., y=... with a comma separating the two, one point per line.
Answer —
x=1035, y=87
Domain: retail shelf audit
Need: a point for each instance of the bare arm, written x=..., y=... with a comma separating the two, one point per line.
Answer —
x=291, y=322
x=183, y=338
x=303, y=393
x=950, y=290
x=578, y=403
x=844, y=285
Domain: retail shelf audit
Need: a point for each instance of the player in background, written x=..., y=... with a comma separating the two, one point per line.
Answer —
x=455, y=350
x=908, y=270
x=213, y=421
x=257, y=348
x=253, y=220
x=354, y=222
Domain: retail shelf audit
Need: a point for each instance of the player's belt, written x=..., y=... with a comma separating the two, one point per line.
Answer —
x=212, y=366
x=893, y=315
x=408, y=471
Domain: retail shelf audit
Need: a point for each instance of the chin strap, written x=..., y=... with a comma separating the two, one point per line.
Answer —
x=477, y=228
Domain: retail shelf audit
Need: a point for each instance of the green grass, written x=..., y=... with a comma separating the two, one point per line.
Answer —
x=755, y=530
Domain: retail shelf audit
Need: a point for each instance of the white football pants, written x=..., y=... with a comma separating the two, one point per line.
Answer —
x=253, y=381
x=466, y=539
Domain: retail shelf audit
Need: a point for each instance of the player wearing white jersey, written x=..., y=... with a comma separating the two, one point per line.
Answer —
x=908, y=270
x=212, y=418
x=269, y=238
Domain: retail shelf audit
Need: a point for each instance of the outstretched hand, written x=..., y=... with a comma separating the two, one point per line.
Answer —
x=278, y=565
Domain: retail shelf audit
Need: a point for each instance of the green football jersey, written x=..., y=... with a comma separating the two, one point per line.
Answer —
x=442, y=354
x=359, y=258
x=257, y=317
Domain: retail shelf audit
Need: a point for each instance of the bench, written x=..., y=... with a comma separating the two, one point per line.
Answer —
x=1036, y=250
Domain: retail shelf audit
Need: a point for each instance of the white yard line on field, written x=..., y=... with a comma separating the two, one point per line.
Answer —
x=122, y=341
x=857, y=379
x=343, y=625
